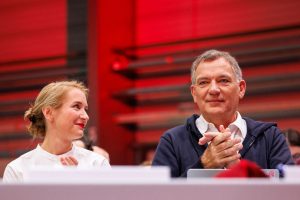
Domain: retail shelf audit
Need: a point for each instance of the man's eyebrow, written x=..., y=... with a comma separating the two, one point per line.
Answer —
x=201, y=77
x=224, y=75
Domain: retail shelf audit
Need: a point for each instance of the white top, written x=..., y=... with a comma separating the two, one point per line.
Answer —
x=238, y=127
x=39, y=157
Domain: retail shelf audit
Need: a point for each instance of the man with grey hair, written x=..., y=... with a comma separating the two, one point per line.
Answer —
x=219, y=137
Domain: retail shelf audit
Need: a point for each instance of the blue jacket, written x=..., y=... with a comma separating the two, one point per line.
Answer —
x=178, y=147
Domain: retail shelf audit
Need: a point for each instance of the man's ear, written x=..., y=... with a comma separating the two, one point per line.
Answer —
x=193, y=92
x=48, y=113
x=242, y=86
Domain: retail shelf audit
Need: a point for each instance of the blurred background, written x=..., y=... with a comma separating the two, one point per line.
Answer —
x=135, y=56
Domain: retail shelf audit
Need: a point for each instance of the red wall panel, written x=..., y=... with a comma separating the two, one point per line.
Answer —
x=168, y=20
x=32, y=29
x=110, y=26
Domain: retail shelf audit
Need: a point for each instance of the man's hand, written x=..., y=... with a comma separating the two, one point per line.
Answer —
x=208, y=136
x=68, y=161
x=222, y=150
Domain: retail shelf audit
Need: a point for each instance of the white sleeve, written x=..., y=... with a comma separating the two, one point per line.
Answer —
x=11, y=175
x=105, y=164
x=101, y=162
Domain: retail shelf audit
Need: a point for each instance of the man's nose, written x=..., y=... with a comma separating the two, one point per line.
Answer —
x=214, y=88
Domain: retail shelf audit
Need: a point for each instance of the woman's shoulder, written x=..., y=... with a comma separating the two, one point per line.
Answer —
x=15, y=168
x=23, y=158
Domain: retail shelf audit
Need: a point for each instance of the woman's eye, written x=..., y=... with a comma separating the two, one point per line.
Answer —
x=76, y=106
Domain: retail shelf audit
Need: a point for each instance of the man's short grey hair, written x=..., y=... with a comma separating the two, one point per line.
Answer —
x=212, y=55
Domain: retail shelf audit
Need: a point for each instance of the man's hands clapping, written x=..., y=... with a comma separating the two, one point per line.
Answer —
x=222, y=150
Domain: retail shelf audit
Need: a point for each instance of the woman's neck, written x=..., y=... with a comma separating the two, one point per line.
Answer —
x=56, y=146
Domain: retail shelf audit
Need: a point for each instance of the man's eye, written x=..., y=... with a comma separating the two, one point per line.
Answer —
x=201, y=83
x=224, y=81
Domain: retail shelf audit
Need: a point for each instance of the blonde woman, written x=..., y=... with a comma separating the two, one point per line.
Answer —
x=58, y=116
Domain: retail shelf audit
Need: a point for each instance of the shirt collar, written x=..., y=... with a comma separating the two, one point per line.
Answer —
x=51, y=156
x=240, y=124
x=204, y=126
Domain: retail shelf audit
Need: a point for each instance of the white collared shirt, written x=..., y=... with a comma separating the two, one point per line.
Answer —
x=238, y=127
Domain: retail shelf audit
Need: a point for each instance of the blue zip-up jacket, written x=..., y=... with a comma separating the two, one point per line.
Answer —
x=178, y=147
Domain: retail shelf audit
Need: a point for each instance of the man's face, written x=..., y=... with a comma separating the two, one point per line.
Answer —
x=217, y=91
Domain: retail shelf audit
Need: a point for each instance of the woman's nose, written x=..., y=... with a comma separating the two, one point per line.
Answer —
x=84, y=115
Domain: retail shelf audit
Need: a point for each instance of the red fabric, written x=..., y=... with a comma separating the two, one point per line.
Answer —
x=244, y=168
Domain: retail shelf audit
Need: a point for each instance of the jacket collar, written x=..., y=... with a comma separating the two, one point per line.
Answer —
x=191, y=126
x=255, y=129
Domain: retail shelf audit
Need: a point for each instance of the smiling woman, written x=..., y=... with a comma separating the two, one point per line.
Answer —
x=58, y=116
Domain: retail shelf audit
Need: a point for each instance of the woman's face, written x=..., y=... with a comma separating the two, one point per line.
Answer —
x=71, y=118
